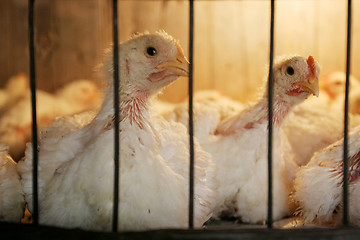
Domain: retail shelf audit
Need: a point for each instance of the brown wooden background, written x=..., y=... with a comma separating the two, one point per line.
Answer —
x=231, y=38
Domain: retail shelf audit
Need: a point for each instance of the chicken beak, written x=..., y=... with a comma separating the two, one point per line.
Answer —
x=180, y=66
x=311, y=85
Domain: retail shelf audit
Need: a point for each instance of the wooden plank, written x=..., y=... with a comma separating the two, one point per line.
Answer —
x=70, y=39
x=231, y=38
x=14, y=55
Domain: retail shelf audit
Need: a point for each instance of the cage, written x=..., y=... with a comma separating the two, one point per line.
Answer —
x=231, y=45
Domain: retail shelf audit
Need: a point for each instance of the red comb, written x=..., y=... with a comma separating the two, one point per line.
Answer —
x=312, y=65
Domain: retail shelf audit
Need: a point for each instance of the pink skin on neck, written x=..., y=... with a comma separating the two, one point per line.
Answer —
x=132, y=109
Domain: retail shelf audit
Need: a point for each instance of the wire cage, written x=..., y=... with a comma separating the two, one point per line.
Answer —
x=37, y=231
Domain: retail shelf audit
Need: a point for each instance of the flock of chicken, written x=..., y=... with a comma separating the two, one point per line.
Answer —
x=76, y=152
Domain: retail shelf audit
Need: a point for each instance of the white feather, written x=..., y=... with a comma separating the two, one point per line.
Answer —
x=12, y=202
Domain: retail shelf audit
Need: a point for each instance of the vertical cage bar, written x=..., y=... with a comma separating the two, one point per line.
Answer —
x=270, y=115
x=116, y=117
x=346, y=119
x=35, y=212
x=191, y=126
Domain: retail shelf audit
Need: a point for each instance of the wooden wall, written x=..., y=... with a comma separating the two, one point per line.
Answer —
x=13, y=38
x=231, y=38
x=70, y=36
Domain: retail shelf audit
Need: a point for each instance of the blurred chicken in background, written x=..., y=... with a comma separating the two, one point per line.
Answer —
x=15, y=89
x=16, y=113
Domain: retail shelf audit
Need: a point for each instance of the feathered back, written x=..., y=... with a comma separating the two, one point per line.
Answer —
x=318, y=185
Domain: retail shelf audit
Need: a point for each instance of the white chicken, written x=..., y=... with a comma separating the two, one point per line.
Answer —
x=212, y=99
x=76, y=164
x=319, y=184
x=210, y=107
x=15, y=123
x=12, y=201
x=16, y=88
x=209, y=98
x=238, y=143
x=334, y=86
x=239, y=146
x=78, y=96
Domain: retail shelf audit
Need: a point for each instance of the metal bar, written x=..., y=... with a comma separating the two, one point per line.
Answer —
x=270, y=115
x=116, y=117
x=191, y=126
x=35, y=212
x=346, y=119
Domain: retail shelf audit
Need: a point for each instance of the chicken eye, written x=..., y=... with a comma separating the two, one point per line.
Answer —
x=151, y=51
x=290, y=71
